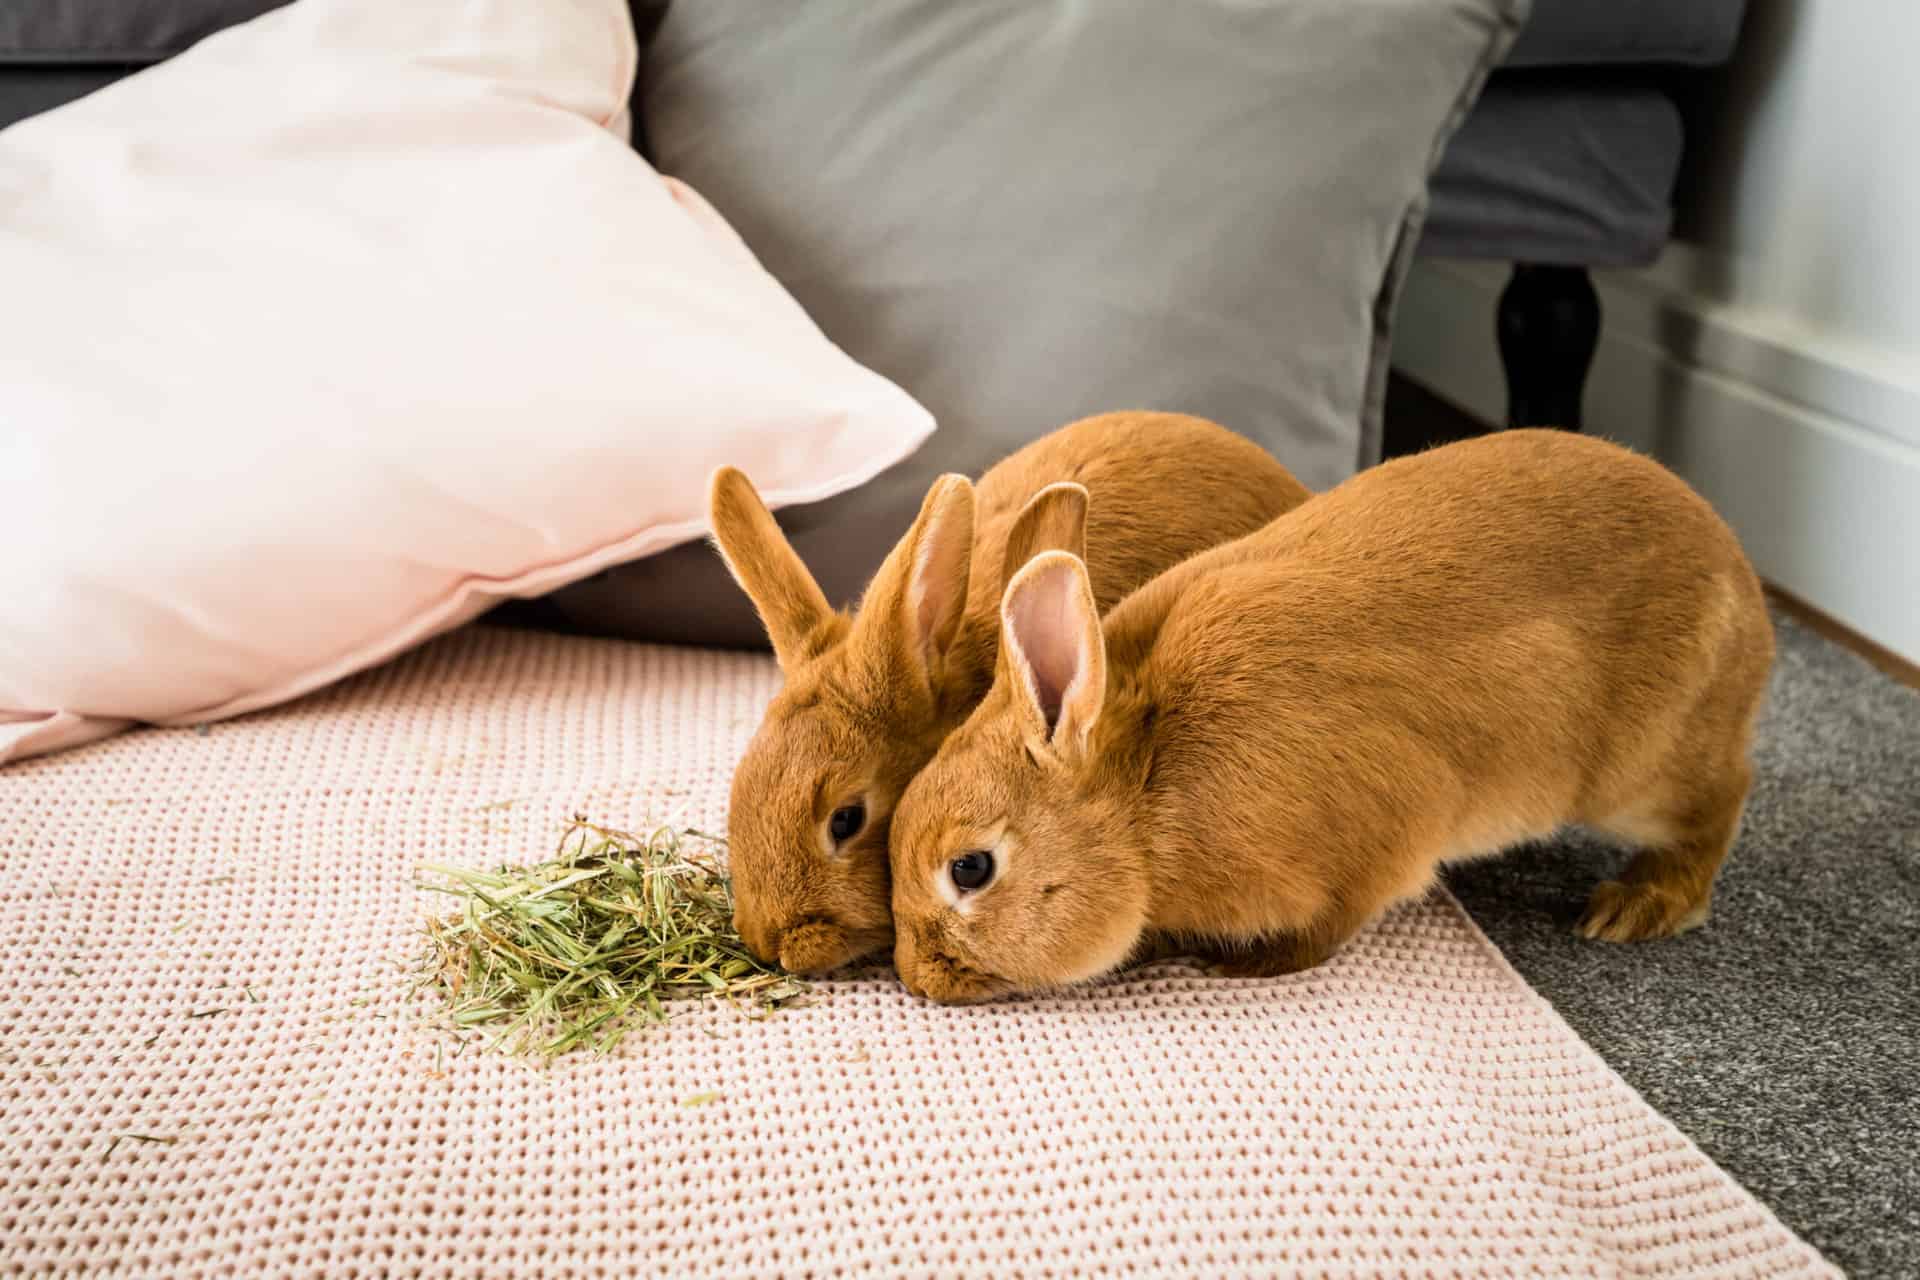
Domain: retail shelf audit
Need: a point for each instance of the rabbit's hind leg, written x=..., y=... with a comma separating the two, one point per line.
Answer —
x=1667, y=888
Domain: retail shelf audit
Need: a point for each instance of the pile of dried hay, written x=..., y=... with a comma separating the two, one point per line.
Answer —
x=576, y=951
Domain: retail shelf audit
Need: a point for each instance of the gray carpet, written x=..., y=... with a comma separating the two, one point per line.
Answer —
x=1784, y=1036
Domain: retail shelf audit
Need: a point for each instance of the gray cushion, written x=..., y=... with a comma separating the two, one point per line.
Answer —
x=1579, y=172
x=1025, y=211
x=1612, y=32
x=114, y=30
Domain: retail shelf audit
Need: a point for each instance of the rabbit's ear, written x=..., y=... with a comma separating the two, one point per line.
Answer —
x=1054, y=519
x=790, y=603
x=911, y=613
x=1054, y=652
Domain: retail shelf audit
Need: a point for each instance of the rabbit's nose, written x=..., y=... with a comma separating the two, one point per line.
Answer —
x=814, y=947
x=763, y=942
x=906, y=961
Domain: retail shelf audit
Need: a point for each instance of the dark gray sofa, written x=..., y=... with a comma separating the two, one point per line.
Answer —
x=1568, y=162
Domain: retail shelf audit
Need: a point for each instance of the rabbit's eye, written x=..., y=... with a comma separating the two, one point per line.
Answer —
x=846, y=822
x=971, y=870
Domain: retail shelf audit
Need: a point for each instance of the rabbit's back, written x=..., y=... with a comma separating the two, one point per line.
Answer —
x=1164, y=487
x=1446, y=655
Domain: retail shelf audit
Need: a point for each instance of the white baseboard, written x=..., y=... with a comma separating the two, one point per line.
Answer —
x=1829, y=508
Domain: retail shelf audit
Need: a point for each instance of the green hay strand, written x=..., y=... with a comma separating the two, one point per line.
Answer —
x=575, y=952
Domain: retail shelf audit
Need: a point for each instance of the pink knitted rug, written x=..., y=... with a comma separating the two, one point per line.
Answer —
x=207, y=1065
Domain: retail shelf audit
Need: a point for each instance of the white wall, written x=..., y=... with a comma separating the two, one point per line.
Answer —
x=1800, y=215
x=1773, y=354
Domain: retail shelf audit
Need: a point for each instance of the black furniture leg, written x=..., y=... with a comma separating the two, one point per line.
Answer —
x=1548, y=326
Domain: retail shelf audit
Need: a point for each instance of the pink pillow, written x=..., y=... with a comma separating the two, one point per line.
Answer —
x=345, y=324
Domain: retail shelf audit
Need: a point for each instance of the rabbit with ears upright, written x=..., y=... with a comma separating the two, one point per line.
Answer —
x=868, y=697
x=1269, y=744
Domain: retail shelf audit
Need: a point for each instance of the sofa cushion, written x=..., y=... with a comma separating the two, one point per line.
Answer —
x=1582, y=33
x=1579, y=173
x=1559, y=33
x=116, y=31
x=29, y=90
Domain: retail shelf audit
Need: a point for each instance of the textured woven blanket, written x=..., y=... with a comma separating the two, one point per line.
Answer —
x=208, y=1064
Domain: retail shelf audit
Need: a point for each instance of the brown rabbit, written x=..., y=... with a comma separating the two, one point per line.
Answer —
x=1267, y=745
x=868, y=697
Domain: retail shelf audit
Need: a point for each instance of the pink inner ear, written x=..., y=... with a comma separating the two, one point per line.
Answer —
x=938, y=587
x=1045, y=620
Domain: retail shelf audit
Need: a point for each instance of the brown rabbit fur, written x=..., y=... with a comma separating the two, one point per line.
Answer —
x=1269, y=744
x=868, y=697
